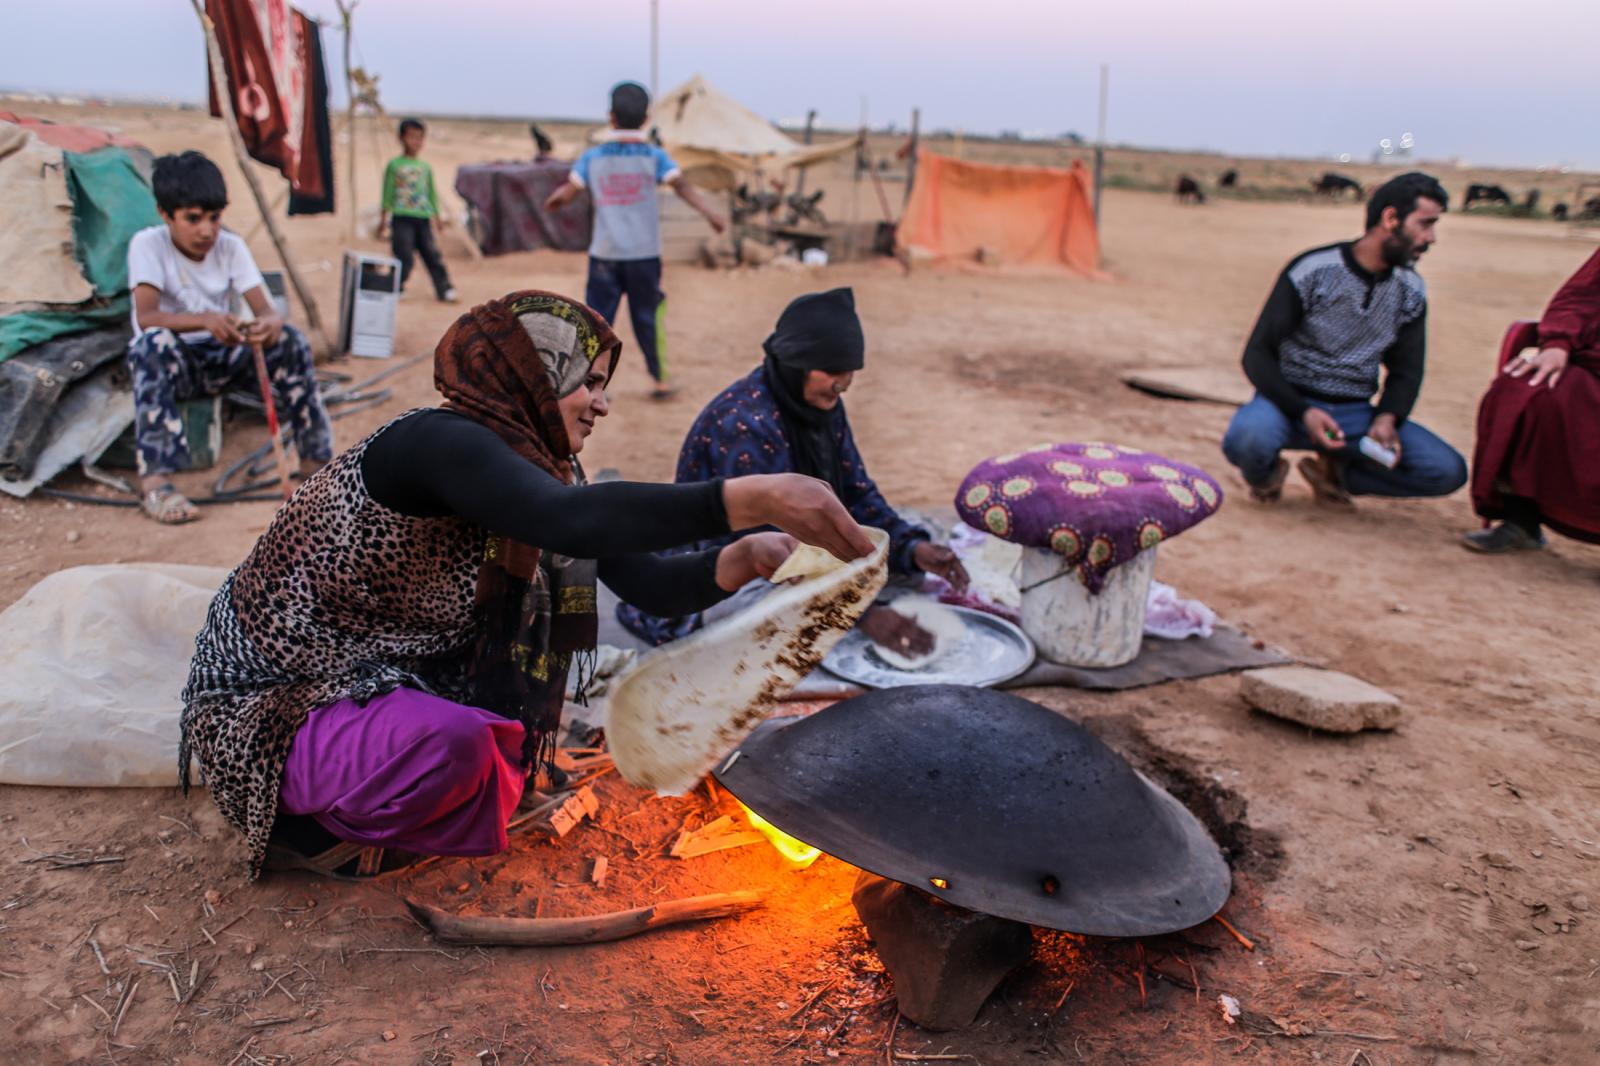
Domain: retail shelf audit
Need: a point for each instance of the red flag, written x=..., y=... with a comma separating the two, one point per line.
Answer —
x=271, y=55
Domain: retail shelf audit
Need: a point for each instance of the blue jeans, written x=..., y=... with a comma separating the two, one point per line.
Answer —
x=640, y=280
x=1428, y=466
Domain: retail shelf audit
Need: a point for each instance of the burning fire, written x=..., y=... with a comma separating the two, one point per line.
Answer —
x=796, y=851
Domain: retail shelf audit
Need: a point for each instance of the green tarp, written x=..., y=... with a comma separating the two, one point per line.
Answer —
x=111, y=201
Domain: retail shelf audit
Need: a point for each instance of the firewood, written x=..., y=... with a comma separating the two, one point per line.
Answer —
x=546, y=932
x=719, y=835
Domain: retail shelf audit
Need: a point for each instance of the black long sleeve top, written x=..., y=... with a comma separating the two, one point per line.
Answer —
x=437, y=462
x=1327, y=327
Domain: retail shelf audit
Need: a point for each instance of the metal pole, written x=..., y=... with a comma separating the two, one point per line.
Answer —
x=655, y=48
x=1100, y=145
x=219, y=77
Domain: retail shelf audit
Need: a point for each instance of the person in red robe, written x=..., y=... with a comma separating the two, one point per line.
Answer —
x=1538, y=455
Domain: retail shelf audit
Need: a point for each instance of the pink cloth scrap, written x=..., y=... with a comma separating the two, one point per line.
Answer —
x=408, y=770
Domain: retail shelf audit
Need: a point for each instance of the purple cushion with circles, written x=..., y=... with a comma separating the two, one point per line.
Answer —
x=1096, y=505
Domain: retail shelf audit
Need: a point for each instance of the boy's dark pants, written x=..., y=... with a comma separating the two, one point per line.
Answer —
x=640, y=280
x=411, y=235
x=167, y=369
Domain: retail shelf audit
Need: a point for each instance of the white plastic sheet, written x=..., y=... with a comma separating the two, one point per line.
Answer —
x=92, y=663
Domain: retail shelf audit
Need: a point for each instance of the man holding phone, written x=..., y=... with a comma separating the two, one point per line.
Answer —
x=1338, y=317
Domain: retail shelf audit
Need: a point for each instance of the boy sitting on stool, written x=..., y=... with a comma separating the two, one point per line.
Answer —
x=187, y=278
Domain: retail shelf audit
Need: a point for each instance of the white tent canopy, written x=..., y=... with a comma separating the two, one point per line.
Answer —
x=704, y=127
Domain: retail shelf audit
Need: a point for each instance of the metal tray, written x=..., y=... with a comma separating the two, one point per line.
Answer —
x=993, y=650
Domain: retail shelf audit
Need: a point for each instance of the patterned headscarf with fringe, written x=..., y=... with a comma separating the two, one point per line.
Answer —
x=505, y=364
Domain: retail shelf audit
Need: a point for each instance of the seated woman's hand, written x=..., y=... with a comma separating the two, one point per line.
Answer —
x=941, y=562
x=758, y=555
x=1546, y=366
x=894, y=631
x=804, y=507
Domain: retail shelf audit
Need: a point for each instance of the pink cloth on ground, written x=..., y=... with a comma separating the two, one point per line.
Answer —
x=408, y=770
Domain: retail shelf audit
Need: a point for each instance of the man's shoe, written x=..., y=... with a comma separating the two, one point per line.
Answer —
x=1322, y=474
x=1505, y=537
x=450, y=297
x=1271, y=490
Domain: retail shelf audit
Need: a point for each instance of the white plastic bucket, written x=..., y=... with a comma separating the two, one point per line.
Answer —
x=1074, y=627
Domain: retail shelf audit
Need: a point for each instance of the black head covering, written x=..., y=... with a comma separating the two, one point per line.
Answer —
x=818, y=331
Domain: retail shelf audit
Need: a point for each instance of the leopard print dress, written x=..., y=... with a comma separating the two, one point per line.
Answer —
x=341, y=598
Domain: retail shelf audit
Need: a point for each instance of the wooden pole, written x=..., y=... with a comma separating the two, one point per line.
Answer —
x=800, y=185
x=861, y=156
x=547, y=932
x=911, y=164
x=277, y=202
x=877, y=184
x=1100, y=145
x=347, y=10
x=219, y=77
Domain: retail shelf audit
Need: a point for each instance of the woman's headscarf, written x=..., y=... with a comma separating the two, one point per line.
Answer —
x=818, y=331
x=505, y=364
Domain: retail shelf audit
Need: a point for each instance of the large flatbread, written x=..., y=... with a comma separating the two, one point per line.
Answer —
x=681, y=709
x=808, y=560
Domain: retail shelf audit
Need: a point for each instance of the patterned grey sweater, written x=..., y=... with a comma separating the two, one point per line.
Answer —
x=1327, y=328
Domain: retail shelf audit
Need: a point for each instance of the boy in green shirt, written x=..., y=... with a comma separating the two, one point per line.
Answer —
x=409, y=200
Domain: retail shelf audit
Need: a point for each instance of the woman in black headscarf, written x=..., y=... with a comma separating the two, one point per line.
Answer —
x=787, y=416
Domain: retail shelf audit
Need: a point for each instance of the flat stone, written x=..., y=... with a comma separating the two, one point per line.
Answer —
x=946, y=960
x=1322, y=699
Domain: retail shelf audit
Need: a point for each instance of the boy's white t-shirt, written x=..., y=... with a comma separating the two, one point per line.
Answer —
x=216, y=283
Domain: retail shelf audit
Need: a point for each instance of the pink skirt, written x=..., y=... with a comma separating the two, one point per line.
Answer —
x=408, y=770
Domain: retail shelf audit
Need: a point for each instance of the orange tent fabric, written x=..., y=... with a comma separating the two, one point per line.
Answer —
x=1021, y=217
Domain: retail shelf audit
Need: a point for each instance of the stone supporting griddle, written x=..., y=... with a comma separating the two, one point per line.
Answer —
x=945, y=960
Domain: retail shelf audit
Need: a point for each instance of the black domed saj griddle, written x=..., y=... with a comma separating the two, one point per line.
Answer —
x=988, y=801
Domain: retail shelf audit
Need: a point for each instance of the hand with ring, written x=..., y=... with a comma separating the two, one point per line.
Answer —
x=1546, y=364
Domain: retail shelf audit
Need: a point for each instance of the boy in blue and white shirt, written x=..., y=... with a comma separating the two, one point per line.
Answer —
x=622, y=176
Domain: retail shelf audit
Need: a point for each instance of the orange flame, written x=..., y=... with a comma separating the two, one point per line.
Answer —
x=797, y=852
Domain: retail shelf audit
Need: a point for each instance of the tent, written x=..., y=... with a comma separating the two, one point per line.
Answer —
x=715, y=139
x=71, y=197
x=1031, y=218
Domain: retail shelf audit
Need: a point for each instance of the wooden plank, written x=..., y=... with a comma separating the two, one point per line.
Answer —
x=543, y=932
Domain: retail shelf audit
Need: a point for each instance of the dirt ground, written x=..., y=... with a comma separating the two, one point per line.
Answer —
x=1416, y=897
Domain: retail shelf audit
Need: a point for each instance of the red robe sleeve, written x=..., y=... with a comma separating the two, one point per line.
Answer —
x=1574, y=309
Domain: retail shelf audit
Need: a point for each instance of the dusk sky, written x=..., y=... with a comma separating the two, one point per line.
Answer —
x=1489, y=83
